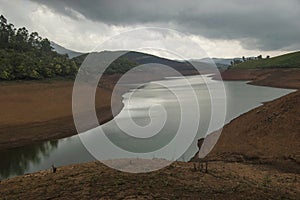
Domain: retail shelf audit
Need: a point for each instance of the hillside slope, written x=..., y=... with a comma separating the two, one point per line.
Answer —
x=281, y=71
x=62, y=50
x=27, y=56
x=270, y=132
x=278, y=77
x=179, y=181
x=290, y=60
x=140, y=58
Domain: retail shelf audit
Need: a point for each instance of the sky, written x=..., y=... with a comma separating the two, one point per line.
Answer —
x=231, y=28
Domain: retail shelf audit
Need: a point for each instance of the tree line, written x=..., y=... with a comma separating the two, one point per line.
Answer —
x=25, y=55
x=237, y=61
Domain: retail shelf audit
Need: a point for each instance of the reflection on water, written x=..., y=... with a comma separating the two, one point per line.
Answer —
x=241, y=98
x=17, y=161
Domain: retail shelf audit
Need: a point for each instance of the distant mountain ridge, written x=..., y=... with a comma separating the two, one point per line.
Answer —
x=62, y=50
x=204, y=63
x=224, y=61
x=134, y=59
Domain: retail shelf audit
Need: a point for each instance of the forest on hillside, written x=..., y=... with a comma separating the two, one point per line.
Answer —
x=25, y=55
x=289, y=60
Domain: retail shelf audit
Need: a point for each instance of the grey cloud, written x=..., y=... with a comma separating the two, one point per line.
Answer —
x=258, y=24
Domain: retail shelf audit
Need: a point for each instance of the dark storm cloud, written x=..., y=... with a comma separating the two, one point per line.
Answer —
x=258, y=24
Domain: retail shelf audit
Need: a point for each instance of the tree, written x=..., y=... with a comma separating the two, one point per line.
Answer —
x=46, y=45
x=4, y=33
x=35, y=40
x=22, y=39
x=26, y=55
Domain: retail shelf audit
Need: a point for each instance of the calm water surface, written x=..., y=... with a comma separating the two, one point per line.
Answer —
x=241, y=98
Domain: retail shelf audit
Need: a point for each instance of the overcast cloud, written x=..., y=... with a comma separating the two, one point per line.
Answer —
x=244, y=27
x=263, y=24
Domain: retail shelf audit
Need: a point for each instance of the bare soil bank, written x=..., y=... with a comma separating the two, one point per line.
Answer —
x=38, y=111
x=178, y=181
x=281, y=78
x=269, y=134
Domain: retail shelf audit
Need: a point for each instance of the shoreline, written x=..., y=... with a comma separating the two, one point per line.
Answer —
x=14, y=135
x=268, y=134
x=241, y=174
x=62, y=132
x=240, y=130
x=275, y=77
x=46, y=125
x=40, y=111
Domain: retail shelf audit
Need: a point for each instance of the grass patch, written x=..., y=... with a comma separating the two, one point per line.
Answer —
x=290, y=60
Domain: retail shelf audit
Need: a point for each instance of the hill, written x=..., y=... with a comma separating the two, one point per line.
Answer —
x=62, y=50
x=25, y=55
x=290, y=60
x=269, y=133
x=223, y=61
x=281, y=71
x=132, y=59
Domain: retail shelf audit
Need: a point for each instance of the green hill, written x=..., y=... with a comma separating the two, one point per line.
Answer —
x=26, y=56
x=131, y=59
x=290, y=60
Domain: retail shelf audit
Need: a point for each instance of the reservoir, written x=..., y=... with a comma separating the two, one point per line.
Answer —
x=240, y=98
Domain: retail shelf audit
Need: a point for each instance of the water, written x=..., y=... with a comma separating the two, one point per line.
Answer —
x=241, y=98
